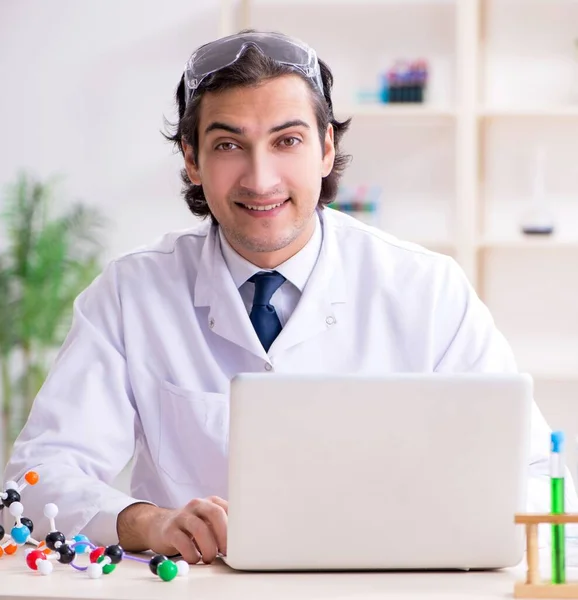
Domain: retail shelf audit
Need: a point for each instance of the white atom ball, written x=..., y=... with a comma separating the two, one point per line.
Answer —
x=44, y=567
x=183, y=567
x=50, y=511
x=94, y=571
x=16, y=509
x=11, y=485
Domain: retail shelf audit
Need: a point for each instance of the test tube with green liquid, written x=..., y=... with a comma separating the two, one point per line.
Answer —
x=557, y=506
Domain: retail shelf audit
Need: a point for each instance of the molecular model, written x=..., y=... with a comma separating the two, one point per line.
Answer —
x=103, y=560
x=20, y=534
x=55, y=546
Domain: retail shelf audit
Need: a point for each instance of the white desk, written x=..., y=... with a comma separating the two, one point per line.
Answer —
x=206, y=582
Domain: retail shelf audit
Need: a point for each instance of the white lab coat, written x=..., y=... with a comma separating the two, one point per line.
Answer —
x=156, y=339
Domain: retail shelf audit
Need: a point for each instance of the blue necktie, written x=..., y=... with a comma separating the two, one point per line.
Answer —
x=263, y=314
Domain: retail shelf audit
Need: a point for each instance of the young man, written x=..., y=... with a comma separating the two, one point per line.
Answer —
x=271, y=281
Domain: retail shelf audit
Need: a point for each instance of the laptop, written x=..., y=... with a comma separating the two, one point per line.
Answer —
x=396, y=472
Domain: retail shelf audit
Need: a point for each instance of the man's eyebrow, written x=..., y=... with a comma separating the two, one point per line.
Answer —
x=293, y=123
x=241, y=130
x=225, y=127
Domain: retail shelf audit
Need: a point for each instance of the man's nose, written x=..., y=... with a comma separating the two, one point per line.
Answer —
x=261, y=174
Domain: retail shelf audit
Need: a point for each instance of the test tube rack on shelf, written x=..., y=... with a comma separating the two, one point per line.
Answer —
x=535, y=586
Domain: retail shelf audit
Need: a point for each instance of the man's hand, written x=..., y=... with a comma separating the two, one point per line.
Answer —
x=197, y=531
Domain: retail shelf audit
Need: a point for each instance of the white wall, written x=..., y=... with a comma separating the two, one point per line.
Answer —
x=83, y=90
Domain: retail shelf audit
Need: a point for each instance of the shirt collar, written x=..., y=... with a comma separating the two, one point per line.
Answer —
x=296, y=270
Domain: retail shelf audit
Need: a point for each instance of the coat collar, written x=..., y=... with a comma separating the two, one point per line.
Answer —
x=314, y=314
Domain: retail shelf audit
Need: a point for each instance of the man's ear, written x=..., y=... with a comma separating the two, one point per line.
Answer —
x=328, y=152
x=190, y=164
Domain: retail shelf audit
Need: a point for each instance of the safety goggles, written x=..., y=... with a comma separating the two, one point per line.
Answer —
x=223, y=52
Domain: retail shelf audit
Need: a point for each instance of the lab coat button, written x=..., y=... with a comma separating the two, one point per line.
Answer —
x=211, y=323
x=268, y=367
x=330, y=320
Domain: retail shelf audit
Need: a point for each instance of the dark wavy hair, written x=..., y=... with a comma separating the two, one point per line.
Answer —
x=250, y=69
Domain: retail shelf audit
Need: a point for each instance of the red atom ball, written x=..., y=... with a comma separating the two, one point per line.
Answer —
x=33, y=556
x=96, y=554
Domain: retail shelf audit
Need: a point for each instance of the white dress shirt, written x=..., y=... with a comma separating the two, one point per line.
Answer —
x=296, y=271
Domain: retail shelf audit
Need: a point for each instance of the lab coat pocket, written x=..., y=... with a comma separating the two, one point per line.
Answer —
x=194, y=436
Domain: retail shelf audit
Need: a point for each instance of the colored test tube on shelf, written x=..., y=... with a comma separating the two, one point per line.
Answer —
x=557, y=506
x=359, y=198
x=422, y=76
x=384, y=89
x=393, y=86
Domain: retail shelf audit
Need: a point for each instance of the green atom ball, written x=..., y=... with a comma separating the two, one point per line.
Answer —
x=107, y=569
x=167, y=570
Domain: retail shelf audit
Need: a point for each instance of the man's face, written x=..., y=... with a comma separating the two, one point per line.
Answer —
x=260, y=163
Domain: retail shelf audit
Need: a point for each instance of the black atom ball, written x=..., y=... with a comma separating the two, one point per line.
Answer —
x=11, y=496
x=115, y=553
x=53, y=537
x=2, y=532
x=155, y=561
x=27, y=523
x=65, y=554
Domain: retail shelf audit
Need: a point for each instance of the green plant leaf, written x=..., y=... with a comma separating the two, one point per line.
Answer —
x=7, y=310
x=49, y=261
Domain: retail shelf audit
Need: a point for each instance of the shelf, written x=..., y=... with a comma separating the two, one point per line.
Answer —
x=560, y=376
x=348, y=3
x=425, y=111
x=546, y=358
x=550, y=374
x=391, y=111
x=528, y=242
x=435, y=245
x=537, y=112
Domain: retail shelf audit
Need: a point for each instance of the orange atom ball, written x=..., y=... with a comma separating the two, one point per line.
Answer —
x=11, y=549
x=31, y=477
x=42, y=547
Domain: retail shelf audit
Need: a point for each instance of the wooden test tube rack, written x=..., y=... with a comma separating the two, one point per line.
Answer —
x=534, y=587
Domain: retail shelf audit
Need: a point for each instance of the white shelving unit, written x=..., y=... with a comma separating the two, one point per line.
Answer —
x=456, y=172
